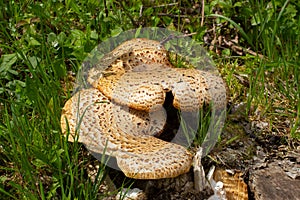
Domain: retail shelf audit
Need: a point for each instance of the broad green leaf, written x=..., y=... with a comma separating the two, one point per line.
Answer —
x=51, y=37
x=116, y=32
x=34, y=61
x=61, y=38
x=7, y=62
x=33, y=42
x=94, y=35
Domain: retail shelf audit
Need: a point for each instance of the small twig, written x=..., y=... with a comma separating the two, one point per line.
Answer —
x=172, y=36
x=202, y=13
x=163, y=5
x=240, y=50
x=242, y=79
x=174, y=16
x=141, y=11
x=221, y=160
x=213, y=42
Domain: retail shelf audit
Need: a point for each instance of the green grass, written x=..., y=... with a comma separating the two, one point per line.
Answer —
x=41, y=42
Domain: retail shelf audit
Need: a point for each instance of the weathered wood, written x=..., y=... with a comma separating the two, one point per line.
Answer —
x=273, y=183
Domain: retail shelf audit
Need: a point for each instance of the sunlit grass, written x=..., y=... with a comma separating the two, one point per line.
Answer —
x=274, y=78
x=36, y=161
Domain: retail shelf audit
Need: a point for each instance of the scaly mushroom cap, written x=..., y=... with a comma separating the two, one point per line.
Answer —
x=143, y=157
x=146, y=90
x=134, y=55
x=141, y=74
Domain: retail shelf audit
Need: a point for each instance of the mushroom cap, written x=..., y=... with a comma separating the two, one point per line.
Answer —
x=134, y=55
x=146, y=90
x=140, y=75
x=93, y=117
x=127, y=120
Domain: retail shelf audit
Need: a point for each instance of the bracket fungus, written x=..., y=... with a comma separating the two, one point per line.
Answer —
x=122, y=112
